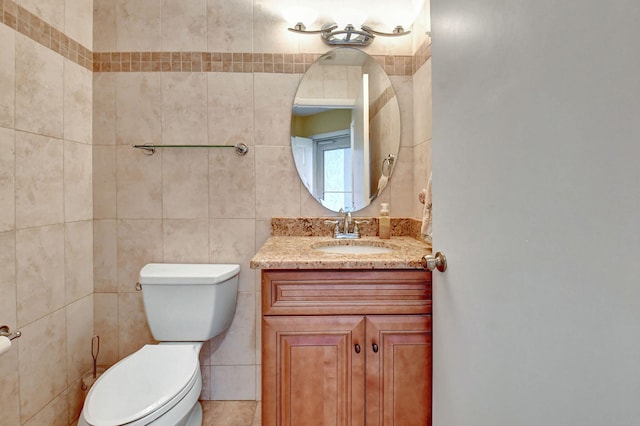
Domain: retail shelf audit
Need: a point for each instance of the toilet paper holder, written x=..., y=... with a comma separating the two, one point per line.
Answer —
x=4, y=331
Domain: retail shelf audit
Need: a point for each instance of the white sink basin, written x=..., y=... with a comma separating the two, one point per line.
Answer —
x=353, y=247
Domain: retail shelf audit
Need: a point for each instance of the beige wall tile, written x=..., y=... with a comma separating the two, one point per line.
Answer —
x=104, y=108
x=184, y=108
x=421, y=171
x=230, y=108
x=185, y=184
x=139, y=243
x=7, y=179
x=105, y=256
x=7, y=75
x=277, y=183
x=267, y=15
x=133, y=329
x=78, y=98
x=78, y=256
x=184, y=25
x=205, y=394
x=79, y=334
x=78, y=182
x=237, y=345
x=53, y=414
x=233, y=241
x=422, y=127
x=51, y=11
x=75, y=401
x=185, y=240
x=39, y=272
x=43, y=363
x=138, y=108
x=236, y=198
x=39, y=180
x=39, y=88
x=138, y=25
x=104, y=26
x=233, y=383
x=273, y=98
x=8, y=279
x=403, y=196
x=403, y=86
x=139, y=186
x=78, y=21
x=105, y=318
x=104, y=181
x=229, y=26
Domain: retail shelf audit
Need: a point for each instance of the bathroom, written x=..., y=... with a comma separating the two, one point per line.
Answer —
x=82, y=211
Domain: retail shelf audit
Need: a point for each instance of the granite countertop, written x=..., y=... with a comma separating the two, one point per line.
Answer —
x=297, y=252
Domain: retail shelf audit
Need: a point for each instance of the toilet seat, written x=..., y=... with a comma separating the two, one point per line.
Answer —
x=145, y=385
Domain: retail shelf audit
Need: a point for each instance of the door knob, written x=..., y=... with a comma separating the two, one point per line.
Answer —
x=431, y=262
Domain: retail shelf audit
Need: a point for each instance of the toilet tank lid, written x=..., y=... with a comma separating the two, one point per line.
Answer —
x=187, y=273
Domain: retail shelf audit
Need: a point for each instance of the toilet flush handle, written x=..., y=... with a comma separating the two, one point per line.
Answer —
x=138, y=287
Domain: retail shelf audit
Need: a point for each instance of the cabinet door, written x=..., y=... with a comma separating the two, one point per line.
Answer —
x=312, y=373
x=398, y=376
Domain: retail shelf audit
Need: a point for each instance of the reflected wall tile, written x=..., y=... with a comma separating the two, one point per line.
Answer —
x=185, y=241
x=184, y=108
x=138, y=25
x=104, y=26
x=78, y=96
x=39, y=88
x=277, y=183
x=75, y=401
x=184, y=25
x=138, y=183
x=50, y=11
x=104, y=108
x=40, y=272
x=273, y=96
x=403, y=197
x=78, y=21
x=39, y=180
x=104, y=181
x=138, y=108
x=78, y=181
x=78, y=260
x=7, y=75
x=8, y=279
x=233, y=241
x=229, y=26
x=105, y=256
x=7, y=179
x=233, y=382
x=54, y=413
x=43, y=363
x=139, y=243
x=133, y=331
x=185, y=184
x=230, y=108
x=267, y=16
x=403, y=86
x=237, y=345
x=105, y=323
x=236, y=198
x=79, y=334
x=310, y=207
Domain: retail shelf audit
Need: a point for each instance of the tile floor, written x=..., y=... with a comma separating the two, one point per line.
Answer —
x=231, y=413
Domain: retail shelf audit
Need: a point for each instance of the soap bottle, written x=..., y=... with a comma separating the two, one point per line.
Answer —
x=384, y=222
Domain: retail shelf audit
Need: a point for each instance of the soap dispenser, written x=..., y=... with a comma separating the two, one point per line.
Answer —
x=384, y=222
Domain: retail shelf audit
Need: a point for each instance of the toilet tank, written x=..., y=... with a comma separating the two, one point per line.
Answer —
x=189, y=302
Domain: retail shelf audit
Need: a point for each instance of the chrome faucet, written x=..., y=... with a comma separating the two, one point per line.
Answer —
x=345, y=225
x=346, y=220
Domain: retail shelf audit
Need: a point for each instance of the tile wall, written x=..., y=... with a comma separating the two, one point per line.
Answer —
x=46, y=212
x=199, y=205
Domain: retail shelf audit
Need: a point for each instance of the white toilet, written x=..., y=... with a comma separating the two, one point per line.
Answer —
x=186, y=305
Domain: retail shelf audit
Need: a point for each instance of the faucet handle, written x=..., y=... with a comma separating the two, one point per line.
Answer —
x=335, y=224
x=358, y=222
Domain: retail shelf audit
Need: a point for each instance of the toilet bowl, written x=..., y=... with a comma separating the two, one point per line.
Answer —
x=160, y=384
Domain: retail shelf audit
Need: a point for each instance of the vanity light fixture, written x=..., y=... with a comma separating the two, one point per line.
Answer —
x=350, y=36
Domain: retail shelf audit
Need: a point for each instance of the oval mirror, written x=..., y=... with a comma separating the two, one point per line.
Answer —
x=345, y=129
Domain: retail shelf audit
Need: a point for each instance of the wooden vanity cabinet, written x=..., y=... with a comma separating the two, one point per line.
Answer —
x=347, y=347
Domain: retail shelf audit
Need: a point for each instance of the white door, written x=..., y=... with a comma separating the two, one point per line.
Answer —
x=536, y=195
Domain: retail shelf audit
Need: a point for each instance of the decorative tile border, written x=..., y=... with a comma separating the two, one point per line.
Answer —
x=28, y=24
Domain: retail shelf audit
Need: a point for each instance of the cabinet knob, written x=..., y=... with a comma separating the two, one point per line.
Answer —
x=374, y=346
x=357, y=348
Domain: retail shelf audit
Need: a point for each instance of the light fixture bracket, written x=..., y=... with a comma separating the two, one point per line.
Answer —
x=350, y=36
